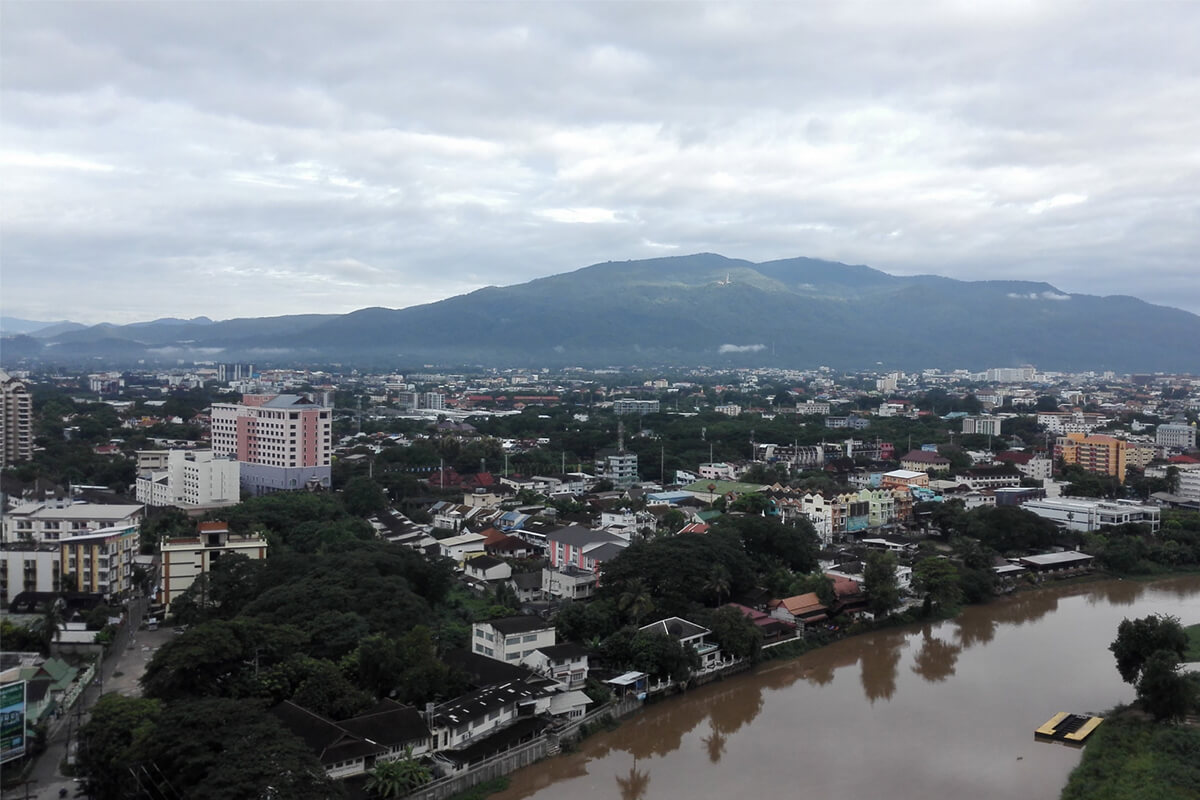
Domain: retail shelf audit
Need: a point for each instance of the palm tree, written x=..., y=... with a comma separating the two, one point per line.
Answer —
x=397, y=778
x=50, y=624
x=717, y=583
x=636, y=600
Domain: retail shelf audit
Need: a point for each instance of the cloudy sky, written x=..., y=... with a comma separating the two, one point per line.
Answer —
x=245, y=159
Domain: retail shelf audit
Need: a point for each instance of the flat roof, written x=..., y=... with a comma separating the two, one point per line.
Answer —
x=1051, y=559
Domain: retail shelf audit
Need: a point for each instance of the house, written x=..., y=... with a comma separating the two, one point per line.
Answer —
x=800, y=610
x=342, y=754
x=527, y=585
x=772, y=628
x=691, y=635
x=486, y=721
x=512, y=640
x=461, y=547
x=487, y=568
x=566, y=663
x=398, y=728
x=576, y=554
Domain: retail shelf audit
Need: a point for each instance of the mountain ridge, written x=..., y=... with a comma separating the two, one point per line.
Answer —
x=691, y=310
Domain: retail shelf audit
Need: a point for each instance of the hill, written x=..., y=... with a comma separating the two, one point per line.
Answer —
x=690, y=310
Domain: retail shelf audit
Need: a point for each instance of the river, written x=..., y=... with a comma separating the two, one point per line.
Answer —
x=945, y=710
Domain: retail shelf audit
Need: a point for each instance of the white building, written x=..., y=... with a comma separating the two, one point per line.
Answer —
x=618, y=466
x=29, y=567
x=988, y=426
x=16, y=421
x=44, y=522
x=1175, y=437
x=512, y=640
x=1091, y=515
x=192, y=478
x=629, y=405
x=729, y=409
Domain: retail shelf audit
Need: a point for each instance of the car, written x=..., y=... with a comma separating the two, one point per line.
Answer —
x=180, y=630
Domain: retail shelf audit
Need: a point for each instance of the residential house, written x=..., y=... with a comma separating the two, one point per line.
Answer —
x=924, y=460
x=691, y=635
x=800, y=610
x=512, y=640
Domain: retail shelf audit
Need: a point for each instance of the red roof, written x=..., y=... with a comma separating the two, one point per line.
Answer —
x=1183, y=460
x=1014, y=457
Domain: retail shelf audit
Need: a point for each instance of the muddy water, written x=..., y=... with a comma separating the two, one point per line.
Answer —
x=938, y=711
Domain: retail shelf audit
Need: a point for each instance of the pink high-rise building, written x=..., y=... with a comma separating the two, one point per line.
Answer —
x=281, y=440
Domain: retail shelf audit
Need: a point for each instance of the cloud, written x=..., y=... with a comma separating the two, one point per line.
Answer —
x=247, y=159
x=1039, y=296
x=741, y=348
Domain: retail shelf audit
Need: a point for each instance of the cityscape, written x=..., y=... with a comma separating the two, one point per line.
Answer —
x=647, y=400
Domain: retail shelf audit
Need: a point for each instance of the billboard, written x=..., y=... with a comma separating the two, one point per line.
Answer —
x=12, y=721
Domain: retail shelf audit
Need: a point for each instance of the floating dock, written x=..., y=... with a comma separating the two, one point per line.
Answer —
x=1068, y=728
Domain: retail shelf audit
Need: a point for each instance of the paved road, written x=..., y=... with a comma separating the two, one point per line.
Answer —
x=127, y=660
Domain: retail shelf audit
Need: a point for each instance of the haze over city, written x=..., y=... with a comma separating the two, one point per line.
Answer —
x=258, y=159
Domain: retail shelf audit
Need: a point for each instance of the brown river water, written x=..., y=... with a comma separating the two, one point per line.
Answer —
x=945, y=710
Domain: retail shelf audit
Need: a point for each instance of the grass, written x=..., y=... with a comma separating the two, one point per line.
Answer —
x=1193, y=651
x=1132, y=758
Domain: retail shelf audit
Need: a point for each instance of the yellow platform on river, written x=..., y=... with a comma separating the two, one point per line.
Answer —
x=1068, y=728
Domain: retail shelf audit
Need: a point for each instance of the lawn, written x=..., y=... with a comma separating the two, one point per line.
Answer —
x=1131, y=758
x=1193, y=652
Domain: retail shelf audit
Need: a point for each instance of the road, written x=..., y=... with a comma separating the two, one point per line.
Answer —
x=120, y=672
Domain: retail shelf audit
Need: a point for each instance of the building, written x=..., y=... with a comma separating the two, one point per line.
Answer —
x=988, y=426
x=101, y=562
x=922, y=460
x=629, y=405
x=1091, y=515
x=728, y=409
x=1032, y=465
x=51, y=521
x=904, y=477
x=435, y=401
x=512, y=640
x=1104, y=455
x=1061, y=423
x=618, y=466
x=186, y=558
x=990, y=477
x=1175, y=437
x=29, y=567
x=281, y=441
x=192, y=478
x=16, y=421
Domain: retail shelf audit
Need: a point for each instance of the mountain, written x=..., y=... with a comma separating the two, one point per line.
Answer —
x=13, y=326
x=692, y=310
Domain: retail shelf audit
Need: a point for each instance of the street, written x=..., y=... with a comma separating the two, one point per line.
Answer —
x=127, y=659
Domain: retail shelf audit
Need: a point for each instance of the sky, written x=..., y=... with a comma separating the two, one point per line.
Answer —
x=255, y=159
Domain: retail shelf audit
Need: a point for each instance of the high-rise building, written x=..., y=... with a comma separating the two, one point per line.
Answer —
x=282, y=441
x=186, y=558
x=16, y=421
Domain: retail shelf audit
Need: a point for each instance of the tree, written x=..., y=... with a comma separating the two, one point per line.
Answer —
x=397, y=778
x=220, y=749
x=880, y=584
x=1162, y=690
x=734, y=633
x=1139, y=639
x=938, y=580
x=717, y=583
x=636, y=601
x=118, y=724
x=663, y=656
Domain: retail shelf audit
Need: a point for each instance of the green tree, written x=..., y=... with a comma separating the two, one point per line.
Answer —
x=117, y=726
x=734, y=633
x=880, y=583
x=1140, y=638
x=636, y=601
x=363, y=497
x=937, y=579
x=663, y=656
x=222, y=749
x=392, y=779
x=1162, y=690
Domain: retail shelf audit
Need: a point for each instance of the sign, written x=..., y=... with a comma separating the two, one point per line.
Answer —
x=12, y=721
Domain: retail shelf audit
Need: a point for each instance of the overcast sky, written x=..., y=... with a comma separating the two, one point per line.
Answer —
x=243, y=159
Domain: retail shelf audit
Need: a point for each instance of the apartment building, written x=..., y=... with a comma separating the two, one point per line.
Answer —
x=54, y=521
x=1103, y=455
x=618, y=466
x=988, y=426
x=186, y=558
x=100, y=562
x=629, y=405
x=281, y=441
x=16, y=421
x=1091, y=515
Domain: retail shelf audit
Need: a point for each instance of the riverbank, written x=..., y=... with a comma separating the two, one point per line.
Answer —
x=1130, y=757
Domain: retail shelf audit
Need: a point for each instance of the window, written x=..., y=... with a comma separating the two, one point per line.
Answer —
x=530, y=637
